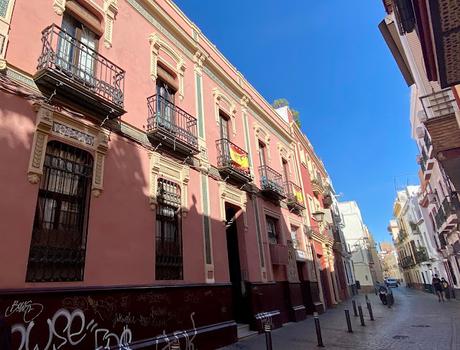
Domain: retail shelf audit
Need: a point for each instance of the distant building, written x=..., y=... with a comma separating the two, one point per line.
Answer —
x=389, y=261
x=366, y=264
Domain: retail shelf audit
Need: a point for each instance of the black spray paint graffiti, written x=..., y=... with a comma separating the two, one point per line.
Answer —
x=75, y=330
x=176, y=336
x=70, y=328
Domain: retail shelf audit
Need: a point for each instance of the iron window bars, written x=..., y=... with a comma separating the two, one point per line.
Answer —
x=169, y=261
x=57, y=250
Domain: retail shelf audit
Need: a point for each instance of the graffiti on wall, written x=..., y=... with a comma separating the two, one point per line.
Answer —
x=113, y=319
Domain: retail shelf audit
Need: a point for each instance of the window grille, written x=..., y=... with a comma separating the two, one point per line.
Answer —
x=271, y=230
x=57, y=250
x=168, y=264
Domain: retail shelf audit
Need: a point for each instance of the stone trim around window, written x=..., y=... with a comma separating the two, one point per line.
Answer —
x=224, y=104
x=109, y=12
x=235, y=196
x=51, y=123
x=157, y=45
x=164, y=167
x=261, y=134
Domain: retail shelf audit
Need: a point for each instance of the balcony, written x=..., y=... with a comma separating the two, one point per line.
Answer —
x=402, y=235
x=76, y=76
x=327, y=201
x=440, y=108
x=171, y=127
x=317, y=185
x=446, y=216
x=233, y=161
x=294, y=196
x=279, y=254
x=414, y=228
x=271, y=183
x=407, y=261
x=445, y=26
x=421, y=255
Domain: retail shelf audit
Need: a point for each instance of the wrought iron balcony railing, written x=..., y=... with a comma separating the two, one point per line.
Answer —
x=407, y=261
x=69, y=69
x=294, y=196
x=171, y=126
x=233, y=160
x=421, y=255
x=271, y=182
x=439, y=104
x=448, y=207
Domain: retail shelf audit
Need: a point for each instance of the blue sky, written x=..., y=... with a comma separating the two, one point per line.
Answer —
x=329, y=60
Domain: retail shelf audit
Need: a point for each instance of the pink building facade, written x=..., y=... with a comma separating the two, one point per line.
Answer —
x=149, y=193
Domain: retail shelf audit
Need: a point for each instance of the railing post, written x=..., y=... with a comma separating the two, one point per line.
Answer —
x=369, y=308
x=361, y=316
x=268, y=336
x=355, y=311
x=347, y=317
x=318, y=330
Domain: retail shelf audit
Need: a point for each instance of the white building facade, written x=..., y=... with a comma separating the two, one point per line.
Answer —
x=360, y=245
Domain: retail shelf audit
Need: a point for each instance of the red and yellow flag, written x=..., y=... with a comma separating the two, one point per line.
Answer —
x=239, y=158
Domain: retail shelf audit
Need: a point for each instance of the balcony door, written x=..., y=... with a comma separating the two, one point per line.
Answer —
x=165, y=106
x=224, y=137
x=76, y=51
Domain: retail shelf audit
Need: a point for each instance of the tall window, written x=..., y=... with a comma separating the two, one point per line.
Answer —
x=262, y=153
x=285, y=170
x=57, y=250
x=169, y=260
x=77, y=57
x=272, y=230
x=223, y=126
x=165, y=101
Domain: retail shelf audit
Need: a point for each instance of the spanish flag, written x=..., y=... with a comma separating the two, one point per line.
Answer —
x=239, y=158
x=298, y=196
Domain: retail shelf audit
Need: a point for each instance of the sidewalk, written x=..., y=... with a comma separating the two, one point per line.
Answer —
x=416, y=321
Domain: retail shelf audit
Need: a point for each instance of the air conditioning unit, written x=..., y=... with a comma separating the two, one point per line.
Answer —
x=419, y=132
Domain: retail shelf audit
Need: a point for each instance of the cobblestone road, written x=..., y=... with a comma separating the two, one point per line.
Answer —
x=416, y=321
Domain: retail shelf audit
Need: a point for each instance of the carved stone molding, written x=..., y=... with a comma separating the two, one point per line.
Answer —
x=156, y=46
x=110, y=12
x=164, y=167
x=234, y=196
x=224, y=104
x=199, y=59
x=262, y=135
x=59, y=6
x=68, y=130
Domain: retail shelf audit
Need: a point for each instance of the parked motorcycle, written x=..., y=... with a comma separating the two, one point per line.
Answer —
x=386, y=296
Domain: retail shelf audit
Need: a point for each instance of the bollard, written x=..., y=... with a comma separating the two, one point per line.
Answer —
x=367, y=298
x=361, y=316
x=318, y=330
x=268, y=336
x=369, y=308
x=354, y=308
x=347, y=316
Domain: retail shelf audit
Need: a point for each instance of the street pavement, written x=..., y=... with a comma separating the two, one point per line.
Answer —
x=416, y=321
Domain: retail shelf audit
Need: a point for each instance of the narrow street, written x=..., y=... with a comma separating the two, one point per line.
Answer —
x=416, y=321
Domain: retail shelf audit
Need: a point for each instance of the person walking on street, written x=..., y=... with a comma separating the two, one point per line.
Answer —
x=437, y=286
x=445, y=287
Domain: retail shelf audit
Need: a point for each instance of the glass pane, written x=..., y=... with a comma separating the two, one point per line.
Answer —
x=3, y=7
